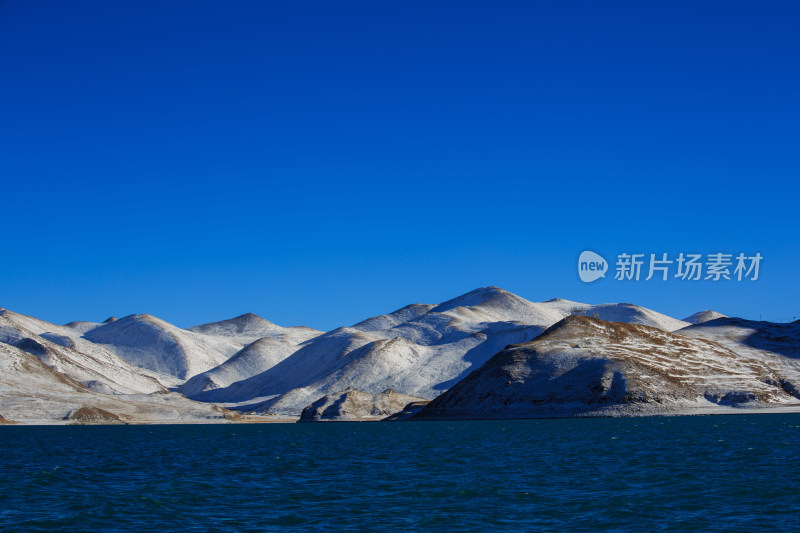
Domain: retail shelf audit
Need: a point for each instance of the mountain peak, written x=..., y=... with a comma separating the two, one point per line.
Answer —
x=248, y=316
x=248, y=323
x=473, y=298
x=703, y=316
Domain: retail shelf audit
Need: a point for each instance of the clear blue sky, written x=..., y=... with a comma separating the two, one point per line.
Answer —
x=317, y=163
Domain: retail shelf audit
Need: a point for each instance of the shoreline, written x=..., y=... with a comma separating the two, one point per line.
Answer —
x=255, y=419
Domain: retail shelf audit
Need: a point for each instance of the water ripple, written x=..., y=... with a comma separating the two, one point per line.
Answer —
x=655, y=474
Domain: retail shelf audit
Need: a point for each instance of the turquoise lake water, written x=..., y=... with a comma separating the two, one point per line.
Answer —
x=719, y=473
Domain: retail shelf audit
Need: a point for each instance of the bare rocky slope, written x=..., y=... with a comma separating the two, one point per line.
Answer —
x=353, y=404
x=584, y=366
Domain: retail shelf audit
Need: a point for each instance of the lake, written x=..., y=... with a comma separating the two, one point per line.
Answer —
x=724, y=473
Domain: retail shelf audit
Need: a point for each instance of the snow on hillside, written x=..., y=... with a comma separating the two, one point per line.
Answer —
x=253, y=359
x=311, y=361
x=148, y=342
x=493, y=304
x=32, y=392
x=421, y=350
x=248, y=328
x=588, y=367
x=266, y=344
x=776, y=343
x=248, y=325
x=401, y=316
x=140, y=354
x=622, y=312
x=92, y=366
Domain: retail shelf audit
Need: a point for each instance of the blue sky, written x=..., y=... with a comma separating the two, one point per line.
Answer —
x=318, y=163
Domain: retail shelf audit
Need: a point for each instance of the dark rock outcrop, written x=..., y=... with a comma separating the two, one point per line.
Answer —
x=355, y=405
x=92, y=414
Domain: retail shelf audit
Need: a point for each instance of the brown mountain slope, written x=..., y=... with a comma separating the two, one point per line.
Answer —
x=584, y=366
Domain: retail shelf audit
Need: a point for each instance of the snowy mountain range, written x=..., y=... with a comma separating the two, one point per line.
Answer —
x=141, y=368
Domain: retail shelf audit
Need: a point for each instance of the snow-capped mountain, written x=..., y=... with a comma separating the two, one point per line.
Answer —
x=124, y=366
x=585, y=366
x=154, y=344
x=149, y=342
x=419, y=350
x=34, y=392
x=61, y=348
x=255, y=358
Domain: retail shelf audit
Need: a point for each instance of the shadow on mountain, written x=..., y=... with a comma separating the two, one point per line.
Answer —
x=497, y=340
x=780, y=338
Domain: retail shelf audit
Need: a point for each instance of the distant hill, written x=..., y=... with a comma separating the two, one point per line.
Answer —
x=703, y=316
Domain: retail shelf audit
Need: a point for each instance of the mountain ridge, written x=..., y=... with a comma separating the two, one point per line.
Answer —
x=421, y=350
